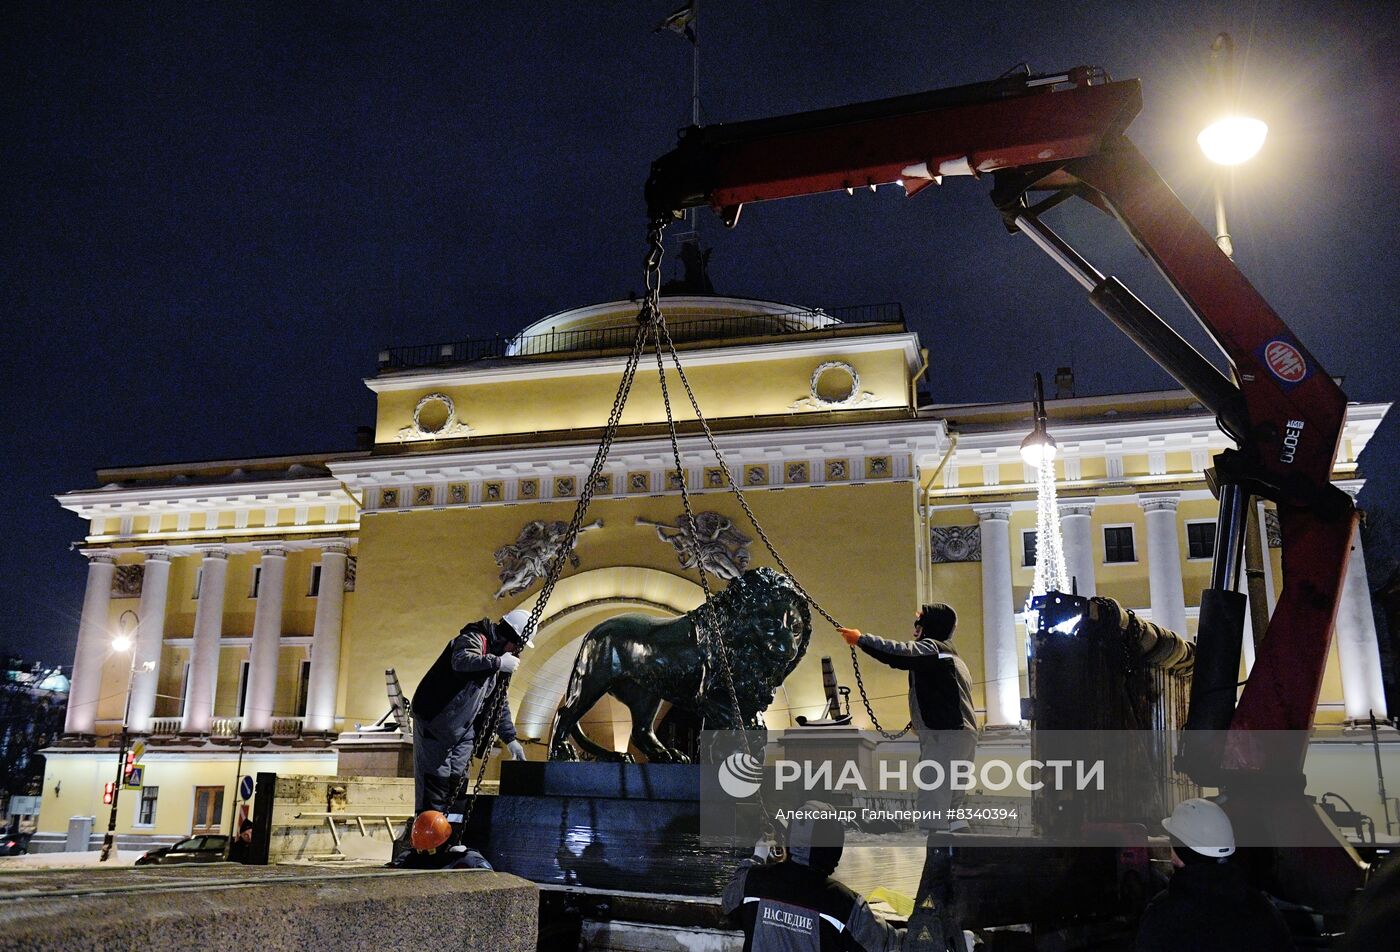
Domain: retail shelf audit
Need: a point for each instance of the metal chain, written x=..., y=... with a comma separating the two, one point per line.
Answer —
x=646, y=318
x=767, y=542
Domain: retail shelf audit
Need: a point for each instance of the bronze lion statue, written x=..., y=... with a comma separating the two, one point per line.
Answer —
x=642, y=661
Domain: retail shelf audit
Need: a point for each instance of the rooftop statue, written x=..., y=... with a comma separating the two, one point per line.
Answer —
x=642, y=661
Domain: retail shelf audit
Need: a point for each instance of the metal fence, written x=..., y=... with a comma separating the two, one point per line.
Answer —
x=784, y=323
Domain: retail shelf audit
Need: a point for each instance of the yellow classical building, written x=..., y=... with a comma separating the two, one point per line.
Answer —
x=266, y=598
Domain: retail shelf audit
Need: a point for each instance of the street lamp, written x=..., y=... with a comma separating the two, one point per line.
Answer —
x=1038, y=446
x=1231, y=138
x=123, y=641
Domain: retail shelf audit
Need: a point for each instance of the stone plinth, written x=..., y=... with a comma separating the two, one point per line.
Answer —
x=374, y=754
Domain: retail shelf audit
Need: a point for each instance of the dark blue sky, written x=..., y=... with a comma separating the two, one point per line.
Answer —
x=215, y=214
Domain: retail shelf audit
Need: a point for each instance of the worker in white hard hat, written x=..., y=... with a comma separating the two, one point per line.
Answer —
x=450, y=705
x=1208, y=905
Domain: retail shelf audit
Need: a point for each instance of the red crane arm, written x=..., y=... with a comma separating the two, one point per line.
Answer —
x=1065, y=133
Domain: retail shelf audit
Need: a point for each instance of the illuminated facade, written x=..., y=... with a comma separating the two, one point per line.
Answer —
x=267, y=597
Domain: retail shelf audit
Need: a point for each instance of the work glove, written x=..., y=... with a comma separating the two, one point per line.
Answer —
x=851, y=635
x=517, y=750
x=508, y=663
x=763, y=849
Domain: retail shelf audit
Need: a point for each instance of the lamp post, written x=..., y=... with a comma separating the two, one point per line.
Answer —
x=1231, y=138
x=123, y=642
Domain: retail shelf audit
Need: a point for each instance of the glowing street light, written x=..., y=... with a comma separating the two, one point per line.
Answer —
x=1233, y=138
x=122, y=642
x=1038, y=446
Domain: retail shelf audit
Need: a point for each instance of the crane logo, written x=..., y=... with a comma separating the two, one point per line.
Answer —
x=1285, y=361
x=740, y=775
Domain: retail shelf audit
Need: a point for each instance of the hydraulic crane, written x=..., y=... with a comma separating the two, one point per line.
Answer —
x=1043, y=139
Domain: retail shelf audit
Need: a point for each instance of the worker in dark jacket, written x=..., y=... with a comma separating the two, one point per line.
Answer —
x=795, y=905
x=940, y=703
x=1208, y=906
x=450, y=706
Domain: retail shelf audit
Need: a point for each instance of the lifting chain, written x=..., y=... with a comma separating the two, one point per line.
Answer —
x=767, y=542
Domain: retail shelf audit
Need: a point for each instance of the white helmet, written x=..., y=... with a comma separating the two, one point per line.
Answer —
x=517, y=620
x=1203, y=826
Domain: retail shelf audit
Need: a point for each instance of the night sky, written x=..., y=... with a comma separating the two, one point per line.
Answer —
x=216, y=214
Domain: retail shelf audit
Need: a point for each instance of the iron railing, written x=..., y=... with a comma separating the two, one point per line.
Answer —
x=778, y=324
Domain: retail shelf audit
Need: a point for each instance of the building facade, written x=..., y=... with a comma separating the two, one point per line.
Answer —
x=266, y=598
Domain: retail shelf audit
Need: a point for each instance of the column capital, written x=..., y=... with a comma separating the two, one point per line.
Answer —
x=1159, y=502
x=335, y=546
x=1077, y=507
x=1001, y=513
x=271, y=550
x=157, y=554
x=108, y=556
x=212, y=551
x=1352, y=487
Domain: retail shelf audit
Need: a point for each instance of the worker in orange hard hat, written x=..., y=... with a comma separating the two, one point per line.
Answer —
x=433, y=849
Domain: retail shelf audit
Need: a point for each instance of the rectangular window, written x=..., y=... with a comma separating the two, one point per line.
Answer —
x=146, y=808
x=242, y=687
x=1200, y=540
x=198, y=581
x=1118, y=544
x=303, y=688
x=208, y=810
x=1028, y=546
x=315, y=581
x=257, y=580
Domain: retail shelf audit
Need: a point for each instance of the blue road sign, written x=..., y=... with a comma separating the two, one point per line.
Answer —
x=245, y=787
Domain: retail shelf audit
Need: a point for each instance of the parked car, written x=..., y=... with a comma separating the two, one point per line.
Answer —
x=194, y=849
x=14, y=844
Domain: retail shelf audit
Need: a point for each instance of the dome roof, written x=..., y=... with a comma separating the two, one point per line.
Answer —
x=689, y=318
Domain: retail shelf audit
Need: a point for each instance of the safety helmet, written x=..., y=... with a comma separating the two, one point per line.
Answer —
x=430, y=830
x=1203, y=826
x=517, y=620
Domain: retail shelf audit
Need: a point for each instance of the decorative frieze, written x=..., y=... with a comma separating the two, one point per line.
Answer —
x=535, y=548
x=434, y=418
x=955, y=544
x=722, y=549
x=126, y=581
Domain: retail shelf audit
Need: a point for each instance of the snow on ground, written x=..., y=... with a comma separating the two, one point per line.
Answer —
x=67, y=860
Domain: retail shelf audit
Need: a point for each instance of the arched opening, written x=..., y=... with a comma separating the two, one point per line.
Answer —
x=579, y=603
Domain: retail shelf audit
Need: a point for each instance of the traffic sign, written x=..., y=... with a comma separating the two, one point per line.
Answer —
x=134, y=777
x=138, y=749
x=245, y=787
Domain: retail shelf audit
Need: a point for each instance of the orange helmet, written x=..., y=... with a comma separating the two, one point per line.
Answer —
x=430, y=830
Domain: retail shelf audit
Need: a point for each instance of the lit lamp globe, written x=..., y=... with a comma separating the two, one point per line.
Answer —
x=121, y=643
x=1233, y=139
x=1038, y=447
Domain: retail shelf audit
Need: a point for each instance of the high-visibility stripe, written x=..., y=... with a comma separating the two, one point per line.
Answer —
x=840, y=926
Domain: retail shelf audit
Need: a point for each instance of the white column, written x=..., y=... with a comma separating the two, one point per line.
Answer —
x=1003, y=687
x=204, y=656
x=94, y=644
x=1357, y=649
x=1077, y=530
x=150, y=637
x=324, y=676
x=267, y=641
x=1164, y=561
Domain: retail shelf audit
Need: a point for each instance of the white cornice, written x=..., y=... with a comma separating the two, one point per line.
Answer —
x=205, y=497
x=925, y=439
x=574, y=367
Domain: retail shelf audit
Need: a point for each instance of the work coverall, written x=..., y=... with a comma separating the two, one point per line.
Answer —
x=940, y=705
x=795, y=906
x=1209, y=907
x=449, y=710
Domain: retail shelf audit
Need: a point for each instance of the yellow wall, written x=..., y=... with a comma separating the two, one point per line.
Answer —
x=423, y=574
x=549, y=402
x=73, y=785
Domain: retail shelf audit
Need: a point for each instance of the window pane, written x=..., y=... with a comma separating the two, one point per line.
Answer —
x=1118, y=544
x=1200, y=539
x=315, y=581
x=1029, y=549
